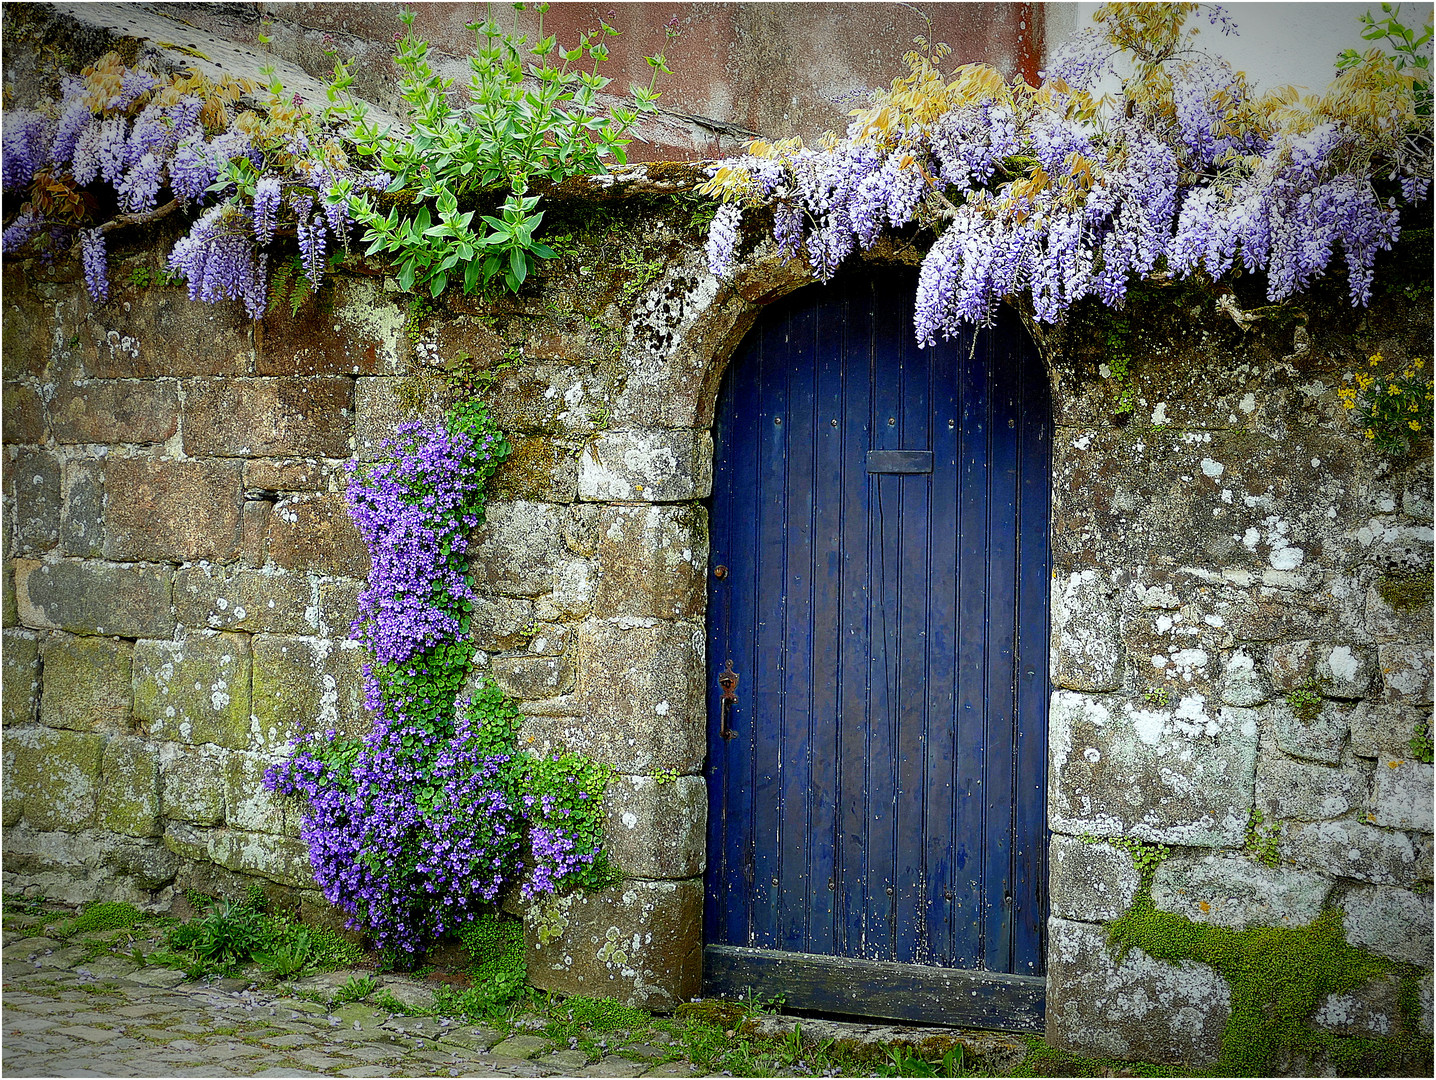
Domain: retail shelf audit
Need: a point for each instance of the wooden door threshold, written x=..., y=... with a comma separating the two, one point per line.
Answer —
x=913, y=993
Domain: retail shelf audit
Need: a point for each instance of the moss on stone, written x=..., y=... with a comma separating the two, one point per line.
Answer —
x=1405, y=591
x=1279, y=977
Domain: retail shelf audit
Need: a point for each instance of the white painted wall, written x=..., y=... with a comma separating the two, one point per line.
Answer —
x=1277, y=43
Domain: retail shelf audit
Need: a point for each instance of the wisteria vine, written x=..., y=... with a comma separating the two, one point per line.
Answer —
x=415, y=829
x=1056, y=194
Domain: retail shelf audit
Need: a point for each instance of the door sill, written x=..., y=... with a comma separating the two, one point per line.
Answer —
x=913, y=993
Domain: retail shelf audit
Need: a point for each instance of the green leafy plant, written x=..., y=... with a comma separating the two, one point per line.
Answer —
x=1421, y=747
x=496, y=949
x=1262, y=839
x=288, y=957
x=1159, y=696
x=1305, y=701
x=355, y=988
x=225, y=936
x=531, y=111
x=106, y=915
x=1391, y=408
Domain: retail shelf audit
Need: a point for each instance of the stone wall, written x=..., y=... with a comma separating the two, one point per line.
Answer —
x=1228, y=541
x=180, y=576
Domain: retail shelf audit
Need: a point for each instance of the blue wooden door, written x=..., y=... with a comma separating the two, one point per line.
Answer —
x=879, y=587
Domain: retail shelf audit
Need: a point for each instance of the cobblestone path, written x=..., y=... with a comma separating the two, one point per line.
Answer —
x=58, y=1021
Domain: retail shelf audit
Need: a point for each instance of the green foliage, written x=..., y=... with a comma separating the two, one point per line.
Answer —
x=1405, y=591
x=1392, y=408
x=602, y=1014
x=1262, y=839
x=499, y=969
x=1044, y=1060
x=355, y=988
x=638, y=273
x=907, y=1061
x=531, y=111
x=287, y=957
x=1159, y=696
x=142, y=277
x=1410, y=50
x=1421, y=748
x=288, y=284
x=225, y=936
x=1146, y=857
x=1279, y=976
x=1118, y=357
x=1305, y=701
x=665, y=776
x=106, y=915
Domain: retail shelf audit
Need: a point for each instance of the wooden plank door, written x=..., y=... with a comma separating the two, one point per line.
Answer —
x=879, y=586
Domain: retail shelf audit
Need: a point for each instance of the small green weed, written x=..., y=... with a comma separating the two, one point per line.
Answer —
x=288, y=957
x=1305, y=701
x=107, y=915
x=1159, y=696
x=355, y=988
x=1262, y=839
x=1421, y=748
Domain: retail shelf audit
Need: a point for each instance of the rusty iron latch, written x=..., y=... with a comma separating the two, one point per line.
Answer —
x=728, y=680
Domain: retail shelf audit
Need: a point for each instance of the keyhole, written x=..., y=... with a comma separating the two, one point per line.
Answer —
x=951, y=424
x=834, y=421
x=892, y=420
x=778, y=421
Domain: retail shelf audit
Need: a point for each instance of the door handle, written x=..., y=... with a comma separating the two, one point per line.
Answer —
x=728, y=680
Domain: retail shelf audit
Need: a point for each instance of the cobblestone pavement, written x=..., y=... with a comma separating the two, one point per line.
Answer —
x=61, y=1020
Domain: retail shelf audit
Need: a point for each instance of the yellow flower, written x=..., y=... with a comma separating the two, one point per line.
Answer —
x=1370, y=434
x=1375, y=359
x=1393, y=390
x=1414, y=425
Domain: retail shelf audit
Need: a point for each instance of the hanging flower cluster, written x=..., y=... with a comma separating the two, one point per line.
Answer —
x=1056, y=193
x=119, y=139
x=414, y=829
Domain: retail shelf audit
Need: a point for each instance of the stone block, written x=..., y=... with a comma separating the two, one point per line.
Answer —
x=219, y=598
x=517, y=549
x=549, y=638
x=1372, y=1009
x=32, y=482
x=1319, y=739
x=1356, y=850
x=574, y=585
x=73, y=866
x=539, y=469
x=20, y=662
x=1086, y=639
x=338, y=606
x=652, y=561
x=382, y=404
x=87, y=682
x=1406, y=671
x=1140, y=1008
x=1242, y=683
x=498, y=623
x=267, y=477
x=304, y=685
x=647, y=466
x=638, y=941
x=1180, y=775
x=249, y=805
x=1238, y=892
x=130, y=788
x=270, y=417
x=87, y=597
x=1090, y=882
x=315, y=532
x=656, y=829
x=1287, y=789
x=1291, y=665
x=195, y=691
x=1378, y=728
x=157, y=332
x=254, y=518
x=314, y=344
x=24, y=414
x=1406, y=622
x=192, y=784
x=1401, y=794
x=82, y=517
x=277, y=858
x=580, y=530
x=55, y=775
x=115, y=411
x=9, y=609
x=531, y=678
x=1344, y=670
x=159, y=510
x=1393, y=922
x=641, y=688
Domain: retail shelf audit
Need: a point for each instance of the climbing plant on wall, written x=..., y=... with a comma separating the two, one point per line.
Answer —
x=415, y=829
x=1055, y=192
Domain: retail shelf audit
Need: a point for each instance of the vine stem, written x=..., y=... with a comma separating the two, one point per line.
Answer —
x=138, y=219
